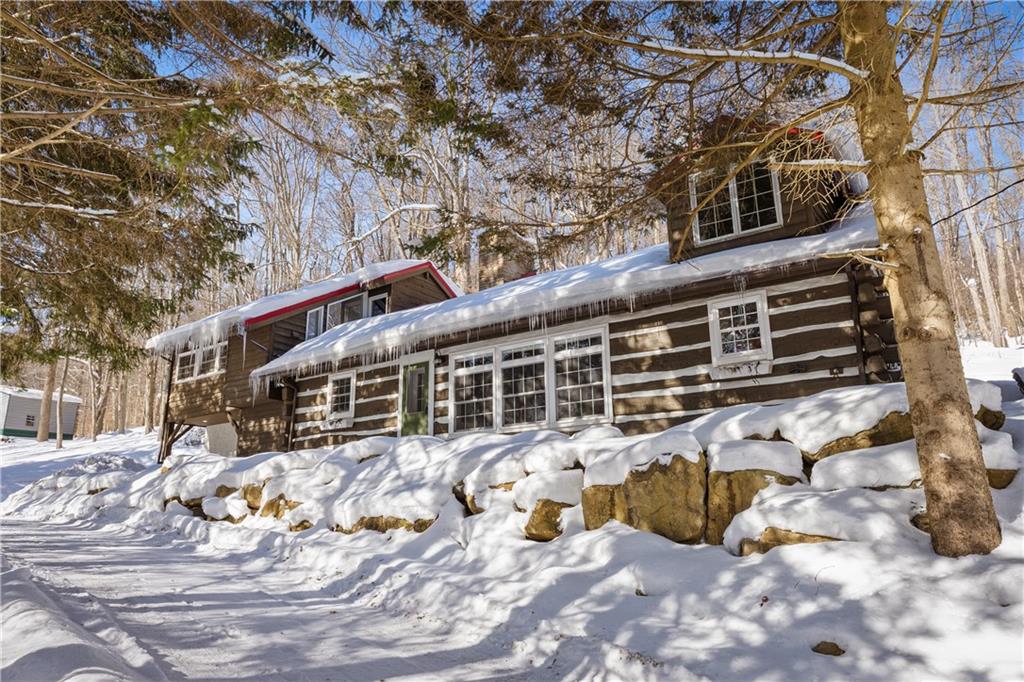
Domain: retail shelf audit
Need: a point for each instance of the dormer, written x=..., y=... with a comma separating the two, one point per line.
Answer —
x=757, y=204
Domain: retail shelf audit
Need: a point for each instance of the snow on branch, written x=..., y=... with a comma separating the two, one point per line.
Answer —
x=756, y=56
x=91, y=212
x=820, y=165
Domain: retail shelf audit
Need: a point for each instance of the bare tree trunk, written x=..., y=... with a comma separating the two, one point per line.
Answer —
x=122, y=404
x=46, y=405
x=60, y=405
x=980, y=250
x=960, y=510
x=150, y=394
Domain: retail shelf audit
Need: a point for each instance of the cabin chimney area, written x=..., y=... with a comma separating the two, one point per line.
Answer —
x=505, y=256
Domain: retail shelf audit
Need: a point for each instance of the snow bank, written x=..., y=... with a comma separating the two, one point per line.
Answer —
x=557, y=486
x=621, y=277
x=738, y=455
x=611, y=468
x=220, y=325
x=812, y=422
x=897, y=464
x=853, y=514
x=52, y=645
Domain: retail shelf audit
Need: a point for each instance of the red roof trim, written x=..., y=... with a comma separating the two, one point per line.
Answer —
x=390, y=277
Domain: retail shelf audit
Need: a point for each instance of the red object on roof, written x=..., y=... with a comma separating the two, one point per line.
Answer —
x=390, y=277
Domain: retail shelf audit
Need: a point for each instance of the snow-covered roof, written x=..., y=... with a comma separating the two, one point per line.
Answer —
x=219, y=325
x=36, y=394
x=617, y=278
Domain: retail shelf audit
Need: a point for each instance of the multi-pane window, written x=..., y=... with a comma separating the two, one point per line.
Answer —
x=314, y=322
x=340, y=395
x=556, y=380
x=750, y=201
x=473, y=391
x=186, y=366
x=755, y=198
x=204, y=361
x=579, y=377
x=30, y=420
x=739, y=328
x=523, y=398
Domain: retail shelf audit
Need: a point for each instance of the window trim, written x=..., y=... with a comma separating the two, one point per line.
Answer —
x=734, y=209
x=30, y=420
x=220, y=364
x=322, y=311
x=454, y=371
x=348, y=414
x=550, y=391
x=718, y=359
x=371, y=299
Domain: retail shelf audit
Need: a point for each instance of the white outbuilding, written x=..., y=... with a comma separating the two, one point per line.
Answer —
x=20, y=412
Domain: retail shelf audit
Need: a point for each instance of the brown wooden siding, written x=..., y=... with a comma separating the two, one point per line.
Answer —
x=199, y=402
x=814, y=343
x=375, y=408
x=415, y=291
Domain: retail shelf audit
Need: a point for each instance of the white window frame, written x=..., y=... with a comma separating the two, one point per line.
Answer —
x=454, y=371
x=719, y=359
x=371, y=299
x=550, y=392
x=734, y=209
x=499, y=392
x=219, y=365
x=346, y=415
x=322, y=312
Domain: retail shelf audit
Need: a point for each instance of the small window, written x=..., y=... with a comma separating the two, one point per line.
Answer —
x=378, y=305
x=416, y=390
x=523, y=399
x=208, y=359
x=579, y=377
x=749, y=202
x=314, y=322
x=352, y=308
x=739, y=328
x=186, y=366
x=333, y=315
x=341, y=395
x=30, y=420
x=473, y=391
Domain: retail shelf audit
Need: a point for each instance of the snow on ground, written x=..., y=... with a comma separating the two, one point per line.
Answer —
x=135, y=591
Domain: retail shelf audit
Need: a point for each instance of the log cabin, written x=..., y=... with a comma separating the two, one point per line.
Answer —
x=210, y=359
x=754, y=300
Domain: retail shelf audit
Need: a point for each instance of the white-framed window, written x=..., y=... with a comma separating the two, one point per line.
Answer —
x=314, y=322
x=523, y=385
x=378, y=305
x=186, y=368
x=345, y=310
x=557, y=380
x=341, y=395
x=30, y=420
x=750, y=203
x=201, y=362
x=579, y=376
x=472, y=391
x=739, y=328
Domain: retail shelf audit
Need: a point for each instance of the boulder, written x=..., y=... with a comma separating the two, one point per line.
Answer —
x=665, y=498
x=545, y=520
x=253, y=495
x=224, y=491
x=773, y=537
x=1001, y=478
x=892, y=428
x=601, y=504
x=827, y=648
x=278, y=506
x=383, y=524
x=668, y=499
x=194, y=505
x=730, y=492
x=300, y=526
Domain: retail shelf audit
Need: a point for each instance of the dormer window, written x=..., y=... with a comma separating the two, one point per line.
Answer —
x=750, y=203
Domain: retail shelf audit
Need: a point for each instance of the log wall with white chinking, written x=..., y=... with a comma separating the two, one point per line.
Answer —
x=661, y=362
x=375, y=414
